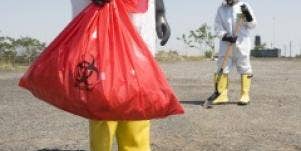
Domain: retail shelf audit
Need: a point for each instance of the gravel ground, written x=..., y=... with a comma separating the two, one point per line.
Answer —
x=271, y=122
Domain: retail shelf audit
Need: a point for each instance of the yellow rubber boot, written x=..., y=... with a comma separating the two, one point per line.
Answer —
x=245, y=89
x=133, y=136
x=102, y=134
x=222, y=88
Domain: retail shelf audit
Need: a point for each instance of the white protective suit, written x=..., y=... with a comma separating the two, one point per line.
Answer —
x=145, y=22
x=131, y=135
x=225, y=23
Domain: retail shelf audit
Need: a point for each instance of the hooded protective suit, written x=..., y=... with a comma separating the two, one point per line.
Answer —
x=225, y=23
x=131, y=135
x=231, y=2
x=226, y=20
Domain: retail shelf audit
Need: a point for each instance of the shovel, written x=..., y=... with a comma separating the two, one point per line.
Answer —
x=208, y=102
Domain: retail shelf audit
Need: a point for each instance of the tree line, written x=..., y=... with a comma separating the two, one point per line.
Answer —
x=20, y=50
x=24, y=50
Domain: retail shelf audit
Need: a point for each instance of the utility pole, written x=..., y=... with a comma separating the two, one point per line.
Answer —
x=285, y=52
x=300, y=51
x=291, y=49
x=274, y=32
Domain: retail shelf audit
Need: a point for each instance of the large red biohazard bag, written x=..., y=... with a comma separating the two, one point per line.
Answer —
x=100, y=68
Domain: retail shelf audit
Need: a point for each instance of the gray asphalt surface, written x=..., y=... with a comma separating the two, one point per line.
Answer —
x=272, y=122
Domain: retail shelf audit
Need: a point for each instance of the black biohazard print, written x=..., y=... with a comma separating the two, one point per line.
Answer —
x=84, y=72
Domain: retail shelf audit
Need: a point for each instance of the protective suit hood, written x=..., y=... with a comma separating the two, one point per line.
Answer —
x=230, y=2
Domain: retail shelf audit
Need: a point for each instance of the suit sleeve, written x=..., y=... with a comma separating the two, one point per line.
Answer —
x=252, y=24
x=218, y=26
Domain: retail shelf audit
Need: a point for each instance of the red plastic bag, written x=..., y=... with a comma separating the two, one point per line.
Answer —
x=136, y=6
x=100, y=68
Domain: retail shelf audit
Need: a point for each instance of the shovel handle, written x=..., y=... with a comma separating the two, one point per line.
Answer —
x=231, y=45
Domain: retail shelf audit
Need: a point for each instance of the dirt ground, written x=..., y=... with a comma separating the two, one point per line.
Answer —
x=272, y=122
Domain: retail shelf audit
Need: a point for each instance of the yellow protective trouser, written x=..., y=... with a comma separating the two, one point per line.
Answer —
x=131, y=135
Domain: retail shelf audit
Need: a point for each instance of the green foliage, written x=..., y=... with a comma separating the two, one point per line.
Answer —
x=167, y=56
x=172, y=56
x=32, y=47
x=7, y=51
x=208, y=54
x=200, y=38
x=21, y=50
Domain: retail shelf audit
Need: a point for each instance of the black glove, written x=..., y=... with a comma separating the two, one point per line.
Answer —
x=230, y=39
x=100, y=2
x=162, y=27
x=246, y=13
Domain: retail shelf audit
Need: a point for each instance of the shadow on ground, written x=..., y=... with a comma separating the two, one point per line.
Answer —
x=201, y=102
x=193, y=102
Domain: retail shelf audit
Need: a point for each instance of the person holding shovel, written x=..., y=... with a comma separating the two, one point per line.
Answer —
x=131, y=135
x=238, y=43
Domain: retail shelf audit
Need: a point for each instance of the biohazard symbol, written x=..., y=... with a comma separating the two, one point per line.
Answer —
x=84, y=73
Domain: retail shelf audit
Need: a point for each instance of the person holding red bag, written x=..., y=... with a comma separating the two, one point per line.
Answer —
x=131, y=135
x=101, y=67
